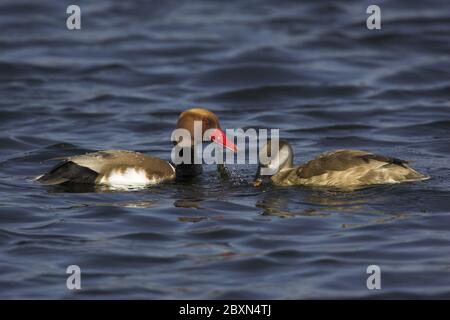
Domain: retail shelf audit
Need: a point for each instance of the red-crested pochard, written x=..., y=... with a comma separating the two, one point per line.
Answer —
x=129, y=168
x=343, y=169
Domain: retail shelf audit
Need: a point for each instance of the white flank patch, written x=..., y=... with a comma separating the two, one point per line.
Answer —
x=129, y=177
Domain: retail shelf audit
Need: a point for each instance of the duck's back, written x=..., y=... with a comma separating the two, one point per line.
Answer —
x=349, y=169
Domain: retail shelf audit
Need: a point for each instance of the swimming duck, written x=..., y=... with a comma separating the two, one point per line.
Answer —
x=346, y=169
x=129, y=168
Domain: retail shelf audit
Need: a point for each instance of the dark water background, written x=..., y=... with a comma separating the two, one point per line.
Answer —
x=310, y=68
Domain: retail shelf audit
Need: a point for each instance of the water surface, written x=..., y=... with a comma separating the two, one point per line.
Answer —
x=311, y=69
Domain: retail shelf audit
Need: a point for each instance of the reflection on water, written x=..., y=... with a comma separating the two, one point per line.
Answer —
x=124, y=204
x=187, y=203
x=319, y=201
x=312, y=69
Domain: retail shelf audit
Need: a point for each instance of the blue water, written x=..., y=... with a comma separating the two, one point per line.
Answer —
x=310, y=68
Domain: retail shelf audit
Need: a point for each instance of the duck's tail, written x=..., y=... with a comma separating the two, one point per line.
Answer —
x=68, y=171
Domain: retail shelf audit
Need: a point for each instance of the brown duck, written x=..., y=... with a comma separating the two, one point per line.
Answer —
x=129, y=168
x=346, y=169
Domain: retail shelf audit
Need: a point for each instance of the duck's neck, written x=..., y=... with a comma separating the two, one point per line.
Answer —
x=184, y=170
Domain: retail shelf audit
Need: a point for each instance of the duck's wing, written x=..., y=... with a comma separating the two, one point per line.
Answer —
x=355, y=167
x=342, y=160
x=104, y=162
x=97, y=161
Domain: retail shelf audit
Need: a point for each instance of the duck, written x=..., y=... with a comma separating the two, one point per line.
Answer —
x=340, y=169
x=130, y=168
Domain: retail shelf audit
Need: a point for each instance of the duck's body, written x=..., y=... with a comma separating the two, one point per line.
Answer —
x=348, y=168
x=129, y=168
x=110, y=167
x=345, y=169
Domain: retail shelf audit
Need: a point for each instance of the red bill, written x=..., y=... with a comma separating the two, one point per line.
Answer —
x=219, y=137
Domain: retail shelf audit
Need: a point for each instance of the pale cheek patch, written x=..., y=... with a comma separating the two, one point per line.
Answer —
x=129, y=177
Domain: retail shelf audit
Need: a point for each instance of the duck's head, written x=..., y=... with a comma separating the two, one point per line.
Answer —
x=209, y=125
x=273, y=158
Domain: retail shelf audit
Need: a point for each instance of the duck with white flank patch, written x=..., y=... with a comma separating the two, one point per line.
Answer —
x=129, y=168
x=343, y=169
